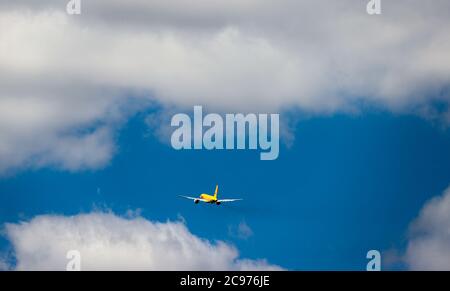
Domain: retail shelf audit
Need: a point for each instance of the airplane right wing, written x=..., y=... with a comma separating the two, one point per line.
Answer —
x=228, y=200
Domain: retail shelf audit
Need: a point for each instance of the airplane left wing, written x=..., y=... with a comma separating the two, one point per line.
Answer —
x=193, y=198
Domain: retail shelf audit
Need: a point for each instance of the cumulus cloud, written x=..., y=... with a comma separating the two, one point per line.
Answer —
x=65, y=80
x=429, y=243
x=109, y=242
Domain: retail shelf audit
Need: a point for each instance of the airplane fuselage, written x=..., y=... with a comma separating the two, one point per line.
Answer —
x=208, y=198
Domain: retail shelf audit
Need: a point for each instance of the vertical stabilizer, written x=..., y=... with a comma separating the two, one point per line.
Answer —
x=217, y=190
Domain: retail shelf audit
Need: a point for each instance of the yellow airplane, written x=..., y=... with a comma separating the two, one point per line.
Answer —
x=212, y=199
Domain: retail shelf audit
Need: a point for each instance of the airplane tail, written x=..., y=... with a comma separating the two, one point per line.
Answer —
x=217, y=190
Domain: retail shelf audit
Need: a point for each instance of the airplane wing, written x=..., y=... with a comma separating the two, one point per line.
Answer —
x=228, y=200
x=193, y=198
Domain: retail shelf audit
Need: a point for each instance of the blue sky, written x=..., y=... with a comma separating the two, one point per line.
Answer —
x=348, y=184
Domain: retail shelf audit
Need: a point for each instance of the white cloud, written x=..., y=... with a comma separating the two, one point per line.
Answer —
x=110, y=242
x=429, y=243
x=61, y=75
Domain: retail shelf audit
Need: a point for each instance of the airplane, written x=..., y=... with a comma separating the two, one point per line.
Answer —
x=212, y=199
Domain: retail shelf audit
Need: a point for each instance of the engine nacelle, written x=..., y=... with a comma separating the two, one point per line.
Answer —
x=196, y=201
x=217, y=202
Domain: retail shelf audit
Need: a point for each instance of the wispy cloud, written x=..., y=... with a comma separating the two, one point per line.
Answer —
x=241, y=231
